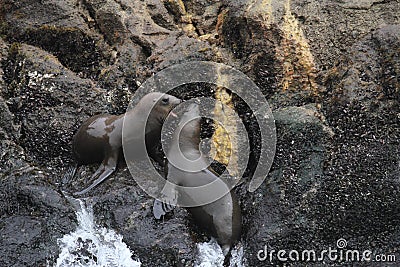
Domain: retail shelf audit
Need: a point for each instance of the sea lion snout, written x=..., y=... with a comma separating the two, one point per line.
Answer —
x=173, y=102
x=165, y=103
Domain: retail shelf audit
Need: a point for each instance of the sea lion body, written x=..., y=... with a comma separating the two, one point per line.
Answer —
x=221, y=218
x=99, y=139
x=96, y=137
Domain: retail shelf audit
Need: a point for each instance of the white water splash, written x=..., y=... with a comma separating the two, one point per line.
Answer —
x=92, y=246
x=237, y=258
x=209, y=254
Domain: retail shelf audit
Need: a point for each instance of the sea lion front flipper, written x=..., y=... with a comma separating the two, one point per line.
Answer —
x=168, y=201
x=161, y=208
x=158, y=210
x=107, y=167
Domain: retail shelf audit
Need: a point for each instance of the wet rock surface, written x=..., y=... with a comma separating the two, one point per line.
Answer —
x=33, y=214
x=329, y=69
x=278, y=214
x=167, y=242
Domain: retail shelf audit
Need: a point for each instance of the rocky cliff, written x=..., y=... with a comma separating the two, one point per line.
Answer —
x=329, y=69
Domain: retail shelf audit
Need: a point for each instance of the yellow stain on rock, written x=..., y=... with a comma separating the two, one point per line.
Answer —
x=295, y=55
x=293, y=52
x=225, y=146
x=263, y=9
x=185, y=18
x=180, y=4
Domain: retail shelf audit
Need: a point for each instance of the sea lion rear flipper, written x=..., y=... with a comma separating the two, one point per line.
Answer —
x=98, y=181
x=69, y=175
x=107, y=167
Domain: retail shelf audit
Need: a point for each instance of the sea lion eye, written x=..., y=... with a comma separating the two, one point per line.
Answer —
x=165, y=100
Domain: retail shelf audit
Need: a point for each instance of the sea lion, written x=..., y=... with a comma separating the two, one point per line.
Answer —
x=99, y=139
x=221, y=218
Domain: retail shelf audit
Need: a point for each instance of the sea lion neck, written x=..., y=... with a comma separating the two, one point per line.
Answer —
x=186, y=138
x=135, y=124
x=188, y=142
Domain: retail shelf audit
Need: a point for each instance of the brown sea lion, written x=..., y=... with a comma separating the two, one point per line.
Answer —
x=221, y=218
x=99, y=139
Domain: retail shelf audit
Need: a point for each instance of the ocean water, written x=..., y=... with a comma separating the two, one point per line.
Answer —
x=209, y=254
x=93, y=246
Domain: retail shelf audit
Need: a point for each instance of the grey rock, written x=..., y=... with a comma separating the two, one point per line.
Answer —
x=370, y=74
x=32, y=217
x=332, y=29
x=363, y=4
x=276, y=215
x=155, y=242
x=336, y=170
x=58, y=27
x=47, y=101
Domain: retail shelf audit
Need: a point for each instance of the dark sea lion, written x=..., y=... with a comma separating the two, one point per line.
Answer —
x=221, y=218
x=99, y=139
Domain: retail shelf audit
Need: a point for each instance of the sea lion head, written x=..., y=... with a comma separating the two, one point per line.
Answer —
x=161, y=105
